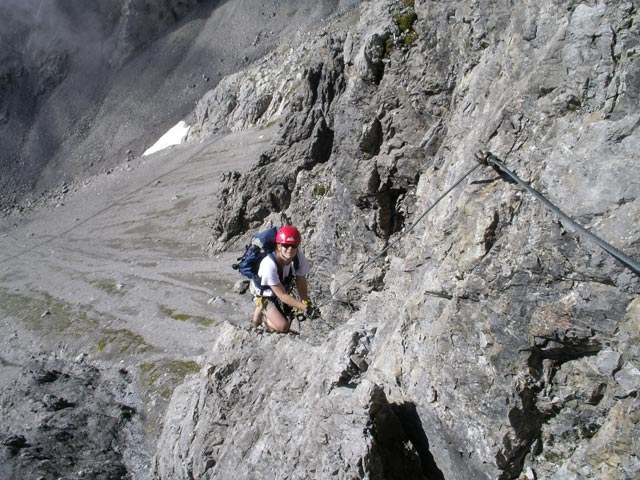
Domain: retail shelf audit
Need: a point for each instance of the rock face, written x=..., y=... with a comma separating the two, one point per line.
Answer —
x=489, y=340
x=465, y=335
x=71, y=421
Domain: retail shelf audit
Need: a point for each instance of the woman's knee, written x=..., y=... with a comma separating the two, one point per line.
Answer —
x=277, y=321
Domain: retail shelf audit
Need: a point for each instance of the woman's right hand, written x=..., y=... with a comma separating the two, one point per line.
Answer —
x=310, y=311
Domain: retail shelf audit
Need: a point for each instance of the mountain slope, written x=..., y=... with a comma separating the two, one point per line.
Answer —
x=87, y=87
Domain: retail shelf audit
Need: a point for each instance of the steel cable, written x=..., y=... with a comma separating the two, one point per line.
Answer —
x=491, y=160
x=625, y=259
x=410, y=229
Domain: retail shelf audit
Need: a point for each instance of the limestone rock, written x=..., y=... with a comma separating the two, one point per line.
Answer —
x=607, y=362
x=468, y=335
x=241, y=286
x=511, y=339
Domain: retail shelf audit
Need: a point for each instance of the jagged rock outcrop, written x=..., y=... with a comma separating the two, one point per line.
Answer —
x=304, y=141
x=490, y=341
x=61, y=419
x=230, y=420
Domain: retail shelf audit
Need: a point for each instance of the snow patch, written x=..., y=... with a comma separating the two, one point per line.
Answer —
x=174, y=136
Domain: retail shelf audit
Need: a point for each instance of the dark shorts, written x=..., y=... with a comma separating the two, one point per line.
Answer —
x=265, y=303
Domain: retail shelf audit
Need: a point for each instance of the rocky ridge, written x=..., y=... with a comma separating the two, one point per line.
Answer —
x=491, y=341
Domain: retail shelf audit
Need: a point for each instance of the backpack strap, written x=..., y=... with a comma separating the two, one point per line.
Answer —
x=289, y=281
x=273, y=257
x=295, y=264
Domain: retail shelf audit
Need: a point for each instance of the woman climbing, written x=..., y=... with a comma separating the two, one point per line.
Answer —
x=278, y=272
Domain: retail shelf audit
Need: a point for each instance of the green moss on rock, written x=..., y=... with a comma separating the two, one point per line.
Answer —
x=164, y=376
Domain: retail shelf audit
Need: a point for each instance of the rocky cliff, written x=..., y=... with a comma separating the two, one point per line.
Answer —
x=467, y=331
x=490, y=340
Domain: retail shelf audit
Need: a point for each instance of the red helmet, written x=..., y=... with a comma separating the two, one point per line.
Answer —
x=289, y=235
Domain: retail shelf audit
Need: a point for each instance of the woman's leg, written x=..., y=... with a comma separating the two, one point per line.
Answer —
x=276, y=320
x=257, y=317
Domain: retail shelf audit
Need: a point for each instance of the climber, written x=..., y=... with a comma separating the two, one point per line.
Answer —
x=277, y=273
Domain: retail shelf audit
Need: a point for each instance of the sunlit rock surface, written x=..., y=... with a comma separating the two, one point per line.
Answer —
x=497, y=342
x=487, y=340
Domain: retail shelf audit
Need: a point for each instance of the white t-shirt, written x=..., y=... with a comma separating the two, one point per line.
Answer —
x=268, y=272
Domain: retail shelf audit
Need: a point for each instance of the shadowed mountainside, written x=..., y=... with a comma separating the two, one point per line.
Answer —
x=85, y=87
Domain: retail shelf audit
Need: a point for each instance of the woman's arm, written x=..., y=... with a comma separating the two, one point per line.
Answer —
x=301, y=283
x=284, y=297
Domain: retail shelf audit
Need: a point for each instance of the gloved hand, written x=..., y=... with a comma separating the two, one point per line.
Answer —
x=310, y=311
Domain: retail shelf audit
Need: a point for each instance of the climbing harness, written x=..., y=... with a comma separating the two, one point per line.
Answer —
x=410, y=229
x=491, y=160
